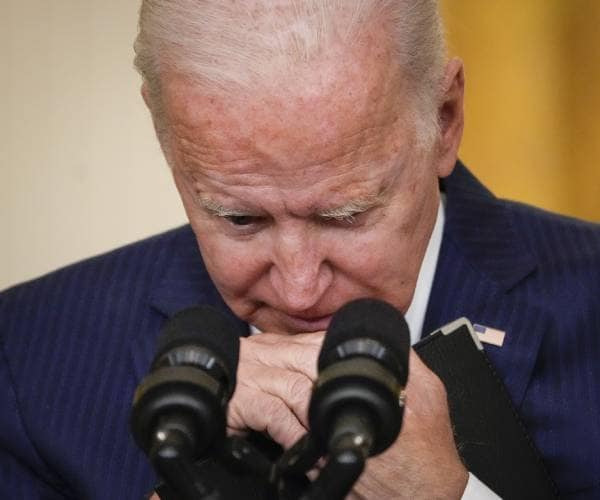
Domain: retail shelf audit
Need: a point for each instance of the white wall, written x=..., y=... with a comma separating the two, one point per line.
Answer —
x=80, y=169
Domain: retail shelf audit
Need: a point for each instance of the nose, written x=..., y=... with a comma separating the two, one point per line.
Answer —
x=299, y=273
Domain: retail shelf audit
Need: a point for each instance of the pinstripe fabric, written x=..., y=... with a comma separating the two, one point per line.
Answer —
x=74, y=344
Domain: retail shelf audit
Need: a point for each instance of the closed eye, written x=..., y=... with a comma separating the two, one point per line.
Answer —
x=232, y=216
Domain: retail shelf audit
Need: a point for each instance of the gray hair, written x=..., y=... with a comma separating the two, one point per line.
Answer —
x=225, y=44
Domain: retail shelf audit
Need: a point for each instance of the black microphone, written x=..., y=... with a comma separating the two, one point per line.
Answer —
x=356, y=407
x=179, y=411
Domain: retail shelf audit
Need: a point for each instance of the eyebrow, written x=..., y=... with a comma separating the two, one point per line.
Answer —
x=217, y=209
x=347, y=210
x=351, y=208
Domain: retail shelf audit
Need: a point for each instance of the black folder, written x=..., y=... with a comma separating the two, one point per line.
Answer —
x=490, y=437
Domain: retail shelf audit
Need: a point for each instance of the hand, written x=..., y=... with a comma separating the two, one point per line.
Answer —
x=274, y=383
x=423, y=463
x=275, y=377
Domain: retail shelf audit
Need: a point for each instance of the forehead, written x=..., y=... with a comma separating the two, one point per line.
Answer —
x=336, y=117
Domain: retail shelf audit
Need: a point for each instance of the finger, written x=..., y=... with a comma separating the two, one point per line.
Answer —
x=300, y=338
x=293, y=388
x=282, y=352
x=263, y=412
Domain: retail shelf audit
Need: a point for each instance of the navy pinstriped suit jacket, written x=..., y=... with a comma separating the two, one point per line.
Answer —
x=75, y=343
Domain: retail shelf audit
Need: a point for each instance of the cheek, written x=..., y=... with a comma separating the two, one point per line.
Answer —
x=368, y=258
x=383, y=266
x=234, y=267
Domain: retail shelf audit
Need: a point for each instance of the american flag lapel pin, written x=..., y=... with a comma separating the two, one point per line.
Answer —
x=489, y=335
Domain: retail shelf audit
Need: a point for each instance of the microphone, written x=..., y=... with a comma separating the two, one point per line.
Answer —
x=357, y=404
x=179, y=411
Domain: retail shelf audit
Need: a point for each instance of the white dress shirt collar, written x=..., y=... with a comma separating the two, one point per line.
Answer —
x=415, y=316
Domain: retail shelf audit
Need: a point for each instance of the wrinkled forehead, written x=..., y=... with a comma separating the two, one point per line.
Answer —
x=339, y=105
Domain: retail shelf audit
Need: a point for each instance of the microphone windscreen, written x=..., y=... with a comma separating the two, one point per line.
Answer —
x=203, y=326
x=367, y=318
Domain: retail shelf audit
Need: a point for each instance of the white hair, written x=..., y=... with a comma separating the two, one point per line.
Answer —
x=224, y=44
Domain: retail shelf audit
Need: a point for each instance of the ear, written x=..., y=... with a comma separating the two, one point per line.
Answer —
x=451, y=117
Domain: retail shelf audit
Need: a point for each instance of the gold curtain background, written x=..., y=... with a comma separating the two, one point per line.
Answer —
x=532, y=105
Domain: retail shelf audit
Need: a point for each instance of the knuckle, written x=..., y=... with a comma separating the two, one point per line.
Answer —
x=273, y=414
x=306, y=356
x=256, y=347
x=257, y=411
x=238, y=409
x=282, y=425
x=299, y=390
x=298, y=386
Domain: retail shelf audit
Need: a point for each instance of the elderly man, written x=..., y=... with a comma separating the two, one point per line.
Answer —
x=314, y=145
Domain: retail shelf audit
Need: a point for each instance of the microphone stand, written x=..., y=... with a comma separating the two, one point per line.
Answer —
x=170, y=456
x=287, y=476
x=344, y=467
x=348, y=449
x=283, y=479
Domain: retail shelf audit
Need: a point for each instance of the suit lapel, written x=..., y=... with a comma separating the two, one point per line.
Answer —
x=482, y=262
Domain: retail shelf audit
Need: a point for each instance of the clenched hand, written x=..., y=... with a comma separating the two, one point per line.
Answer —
x=274, y=383
x=275, y=377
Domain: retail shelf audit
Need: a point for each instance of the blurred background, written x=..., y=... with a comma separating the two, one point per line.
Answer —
x=532, y=98
x=81, y=171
